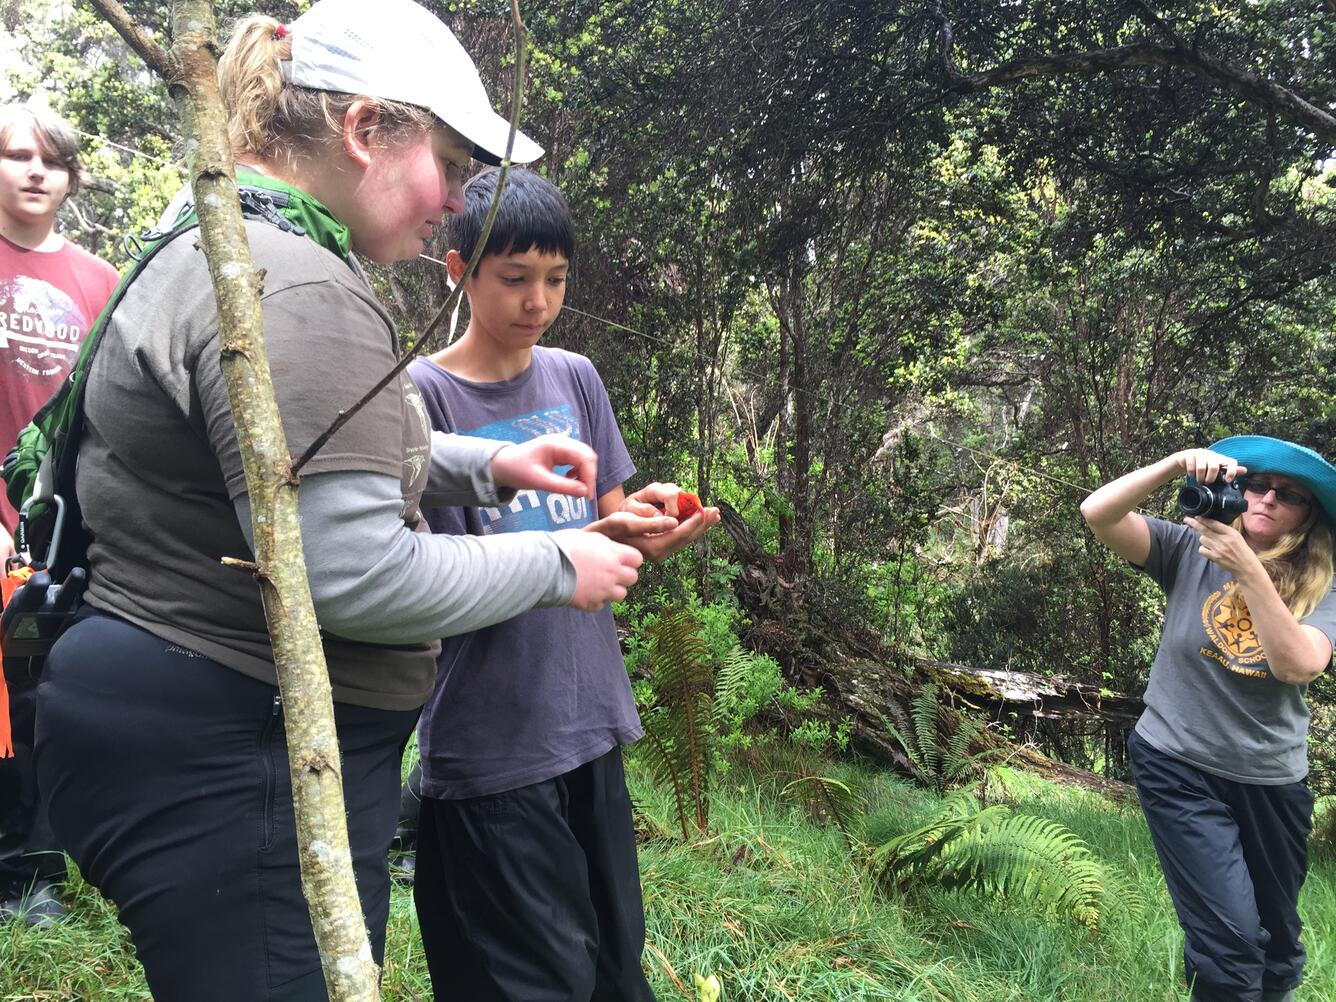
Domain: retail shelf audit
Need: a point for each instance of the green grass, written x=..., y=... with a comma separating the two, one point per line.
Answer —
x=782, y=910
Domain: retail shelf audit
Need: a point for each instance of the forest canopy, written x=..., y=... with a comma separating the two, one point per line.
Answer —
x=897, y=283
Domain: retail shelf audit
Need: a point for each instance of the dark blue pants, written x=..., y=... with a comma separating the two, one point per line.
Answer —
x=167, y=779
x=1234, y=857
x=533, y=895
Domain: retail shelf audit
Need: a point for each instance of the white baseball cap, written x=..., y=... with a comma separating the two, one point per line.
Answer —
x=397, y=50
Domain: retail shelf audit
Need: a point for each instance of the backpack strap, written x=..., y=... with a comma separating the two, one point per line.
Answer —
x=41, y=465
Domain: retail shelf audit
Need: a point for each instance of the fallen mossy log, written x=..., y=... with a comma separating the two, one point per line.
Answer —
x=861, y=677
x=1000, y=693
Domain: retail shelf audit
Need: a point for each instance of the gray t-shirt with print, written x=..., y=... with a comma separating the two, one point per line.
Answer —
x=547, y=691
x=159, y=465
x=1212, y=701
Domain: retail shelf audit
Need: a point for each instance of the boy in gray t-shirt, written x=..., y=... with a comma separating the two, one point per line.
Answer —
x=526, y=881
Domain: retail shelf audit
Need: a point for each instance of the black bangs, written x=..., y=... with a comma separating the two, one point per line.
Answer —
x=533, y=214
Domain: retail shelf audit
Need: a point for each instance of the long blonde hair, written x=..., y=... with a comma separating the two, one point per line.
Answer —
x=1299, y=565
x=270, y=118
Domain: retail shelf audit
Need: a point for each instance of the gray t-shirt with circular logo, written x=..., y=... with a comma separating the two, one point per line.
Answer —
x=1212, y=701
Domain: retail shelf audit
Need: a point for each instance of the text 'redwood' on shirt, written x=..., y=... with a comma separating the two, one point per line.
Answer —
x=547, y=691
x=159, y=466
x=48, y=303
x=1211, y=700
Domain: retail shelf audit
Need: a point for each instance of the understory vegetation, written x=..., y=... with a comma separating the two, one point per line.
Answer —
x=782, y=910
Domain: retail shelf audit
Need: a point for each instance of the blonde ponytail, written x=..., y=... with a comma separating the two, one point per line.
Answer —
x=251, y=82
x=267, y=117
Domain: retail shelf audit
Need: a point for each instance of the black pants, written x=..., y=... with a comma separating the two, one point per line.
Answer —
x=167, y=780
x=1234, y=857
x=28, y=850
x=533, y=895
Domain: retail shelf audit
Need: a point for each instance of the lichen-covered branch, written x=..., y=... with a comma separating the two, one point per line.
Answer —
x=159, y=61
x=313, y=751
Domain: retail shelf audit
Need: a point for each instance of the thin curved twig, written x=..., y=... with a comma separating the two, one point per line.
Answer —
x=521, y=54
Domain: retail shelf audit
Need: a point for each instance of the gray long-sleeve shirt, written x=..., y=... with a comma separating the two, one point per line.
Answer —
x=160, y=478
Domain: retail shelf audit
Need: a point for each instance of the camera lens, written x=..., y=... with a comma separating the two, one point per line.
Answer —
x=1195, y=499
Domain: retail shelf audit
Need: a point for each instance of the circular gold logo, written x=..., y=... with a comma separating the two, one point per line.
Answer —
x=1230, y=626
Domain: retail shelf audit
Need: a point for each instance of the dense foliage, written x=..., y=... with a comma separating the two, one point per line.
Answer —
x=896, y=281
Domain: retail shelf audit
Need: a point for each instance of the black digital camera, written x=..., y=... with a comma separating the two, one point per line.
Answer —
x=1220, y=500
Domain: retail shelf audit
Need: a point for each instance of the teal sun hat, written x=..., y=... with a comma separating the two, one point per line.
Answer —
x=1261, y=454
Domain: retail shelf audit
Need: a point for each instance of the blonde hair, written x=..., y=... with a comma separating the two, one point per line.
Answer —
x=268, y=117
x=1299, y=565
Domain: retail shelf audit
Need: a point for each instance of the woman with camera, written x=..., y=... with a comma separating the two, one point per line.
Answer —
x=1220, y=755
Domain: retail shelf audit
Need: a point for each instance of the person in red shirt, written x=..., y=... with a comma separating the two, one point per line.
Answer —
x=50, y=294
x=50, y=290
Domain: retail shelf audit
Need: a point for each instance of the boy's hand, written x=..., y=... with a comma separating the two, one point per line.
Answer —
x=603, y=569
x=654, y=531
x=528, y=466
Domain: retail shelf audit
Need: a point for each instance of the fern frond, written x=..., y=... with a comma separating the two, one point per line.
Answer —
x=923, y=710
x=824, y=796
x=730, y=680
x=657, y=754
x=901, y=860
x=958, y=763
x=678, y=666
x=998, y=852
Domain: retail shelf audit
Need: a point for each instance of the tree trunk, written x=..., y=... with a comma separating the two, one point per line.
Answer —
x=280, y=567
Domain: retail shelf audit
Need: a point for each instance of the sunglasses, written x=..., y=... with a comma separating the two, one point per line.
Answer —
x=1285, y=495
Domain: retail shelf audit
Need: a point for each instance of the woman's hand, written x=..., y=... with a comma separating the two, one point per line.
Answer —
x=528, y=466
x=639, y=521
x=1295, y=652
x=1225, y=546
x=1203, y=465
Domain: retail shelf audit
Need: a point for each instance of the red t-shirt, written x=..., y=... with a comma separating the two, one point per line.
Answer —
x=48, y=301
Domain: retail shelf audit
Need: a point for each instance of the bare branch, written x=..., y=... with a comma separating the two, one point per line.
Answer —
x=521, y=55
x=136, y=37
x=84, y=221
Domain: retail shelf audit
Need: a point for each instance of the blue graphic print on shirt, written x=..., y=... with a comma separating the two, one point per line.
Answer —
x=536, y=510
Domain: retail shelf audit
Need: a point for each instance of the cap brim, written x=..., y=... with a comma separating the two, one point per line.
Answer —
x=1261, y=454
x=489, y=133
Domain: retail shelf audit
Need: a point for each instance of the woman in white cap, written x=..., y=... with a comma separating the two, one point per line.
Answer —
x=1220, y=755
x=161, y=735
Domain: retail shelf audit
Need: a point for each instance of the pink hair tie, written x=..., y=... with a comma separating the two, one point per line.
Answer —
x=281, y=31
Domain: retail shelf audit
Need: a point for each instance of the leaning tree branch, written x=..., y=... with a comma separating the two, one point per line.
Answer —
x=344, y=416
x=1142, y=55
x=280, y=567
x=158, y=59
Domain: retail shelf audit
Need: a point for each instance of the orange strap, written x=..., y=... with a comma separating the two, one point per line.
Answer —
x=8, y=584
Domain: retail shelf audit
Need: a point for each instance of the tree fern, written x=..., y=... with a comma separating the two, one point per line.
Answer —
x=991, y=849
x=679, y=726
